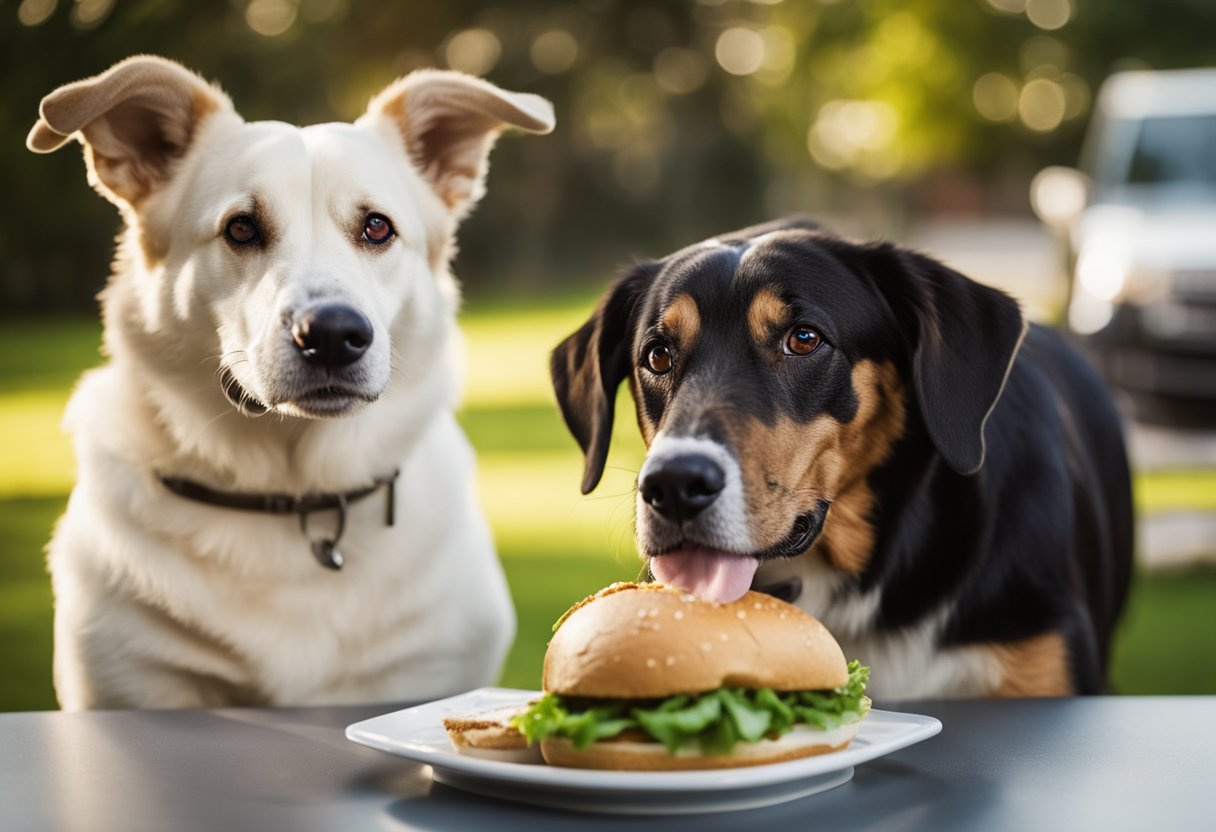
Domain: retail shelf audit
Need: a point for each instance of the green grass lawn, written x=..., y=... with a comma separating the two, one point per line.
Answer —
x=556, y=545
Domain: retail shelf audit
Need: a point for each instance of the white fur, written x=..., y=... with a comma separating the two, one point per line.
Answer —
x=910, y=664
x=723, y=523
x=166, y=602
x=907, y=663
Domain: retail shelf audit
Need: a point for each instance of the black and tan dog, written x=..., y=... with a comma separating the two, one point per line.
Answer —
x=883, y=441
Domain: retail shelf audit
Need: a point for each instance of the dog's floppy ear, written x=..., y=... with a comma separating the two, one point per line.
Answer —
x=449, y=122
x=589, y=366
x=134, y=120
x=963, y=338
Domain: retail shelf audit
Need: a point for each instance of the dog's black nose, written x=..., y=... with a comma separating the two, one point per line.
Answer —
x=680, y=487
x=334, y=335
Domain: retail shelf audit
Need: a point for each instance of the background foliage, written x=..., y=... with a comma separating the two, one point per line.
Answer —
x=676, y=120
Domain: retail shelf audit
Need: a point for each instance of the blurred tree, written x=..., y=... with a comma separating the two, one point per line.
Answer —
x=675, y=119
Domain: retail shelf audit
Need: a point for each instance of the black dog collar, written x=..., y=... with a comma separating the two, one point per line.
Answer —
x=325, y=550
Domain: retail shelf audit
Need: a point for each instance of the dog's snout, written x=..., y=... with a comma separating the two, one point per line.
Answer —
x=333, y=335
x=681, y=487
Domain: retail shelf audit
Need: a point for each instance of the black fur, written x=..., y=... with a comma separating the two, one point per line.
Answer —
x=1007, y=499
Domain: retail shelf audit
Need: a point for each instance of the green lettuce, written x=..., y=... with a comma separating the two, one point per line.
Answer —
x=714, y=720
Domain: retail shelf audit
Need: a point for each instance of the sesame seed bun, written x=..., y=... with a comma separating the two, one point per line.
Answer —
x=643, y=641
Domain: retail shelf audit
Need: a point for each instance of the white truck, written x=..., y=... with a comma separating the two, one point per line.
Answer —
x=1138, y=226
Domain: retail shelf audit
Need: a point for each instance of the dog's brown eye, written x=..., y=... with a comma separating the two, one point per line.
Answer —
x=658, y=359
x=241, y=230
x=802, y=340
x=377, y=230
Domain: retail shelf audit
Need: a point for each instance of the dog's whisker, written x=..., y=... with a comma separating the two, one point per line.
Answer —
x=228, y=367
x=598, y=498
x=222, y=357
x=620, y=529
x=251, y=407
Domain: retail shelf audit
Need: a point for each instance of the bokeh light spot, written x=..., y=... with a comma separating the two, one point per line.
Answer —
x=740, y=51
x=1049, y=14
x=474, y=51
x=995, y=97
x=35, y=12
x=554, y=52
x=271, y=17
x=1042, y=105
x=678, y=70
x=1058, y=195
x=87, y=14
x=780, y=52
x=857, y=135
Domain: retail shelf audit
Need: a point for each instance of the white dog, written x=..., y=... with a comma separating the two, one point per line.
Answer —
x=280, y=327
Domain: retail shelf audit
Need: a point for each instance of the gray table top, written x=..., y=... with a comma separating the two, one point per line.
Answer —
x=1069, y=764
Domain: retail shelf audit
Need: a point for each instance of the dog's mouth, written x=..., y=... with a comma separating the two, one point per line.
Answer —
x=329, y=401
x=325, y=402
x=723, y=576
x=802, y=534
x=240, y=398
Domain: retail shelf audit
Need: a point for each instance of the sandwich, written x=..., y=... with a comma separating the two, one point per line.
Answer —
x=490, y=735
x=647, y=677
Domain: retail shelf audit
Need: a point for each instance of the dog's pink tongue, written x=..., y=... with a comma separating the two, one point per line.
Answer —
x=706, y=573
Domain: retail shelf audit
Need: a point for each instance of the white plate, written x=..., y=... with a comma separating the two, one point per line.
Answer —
x=417, y=734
